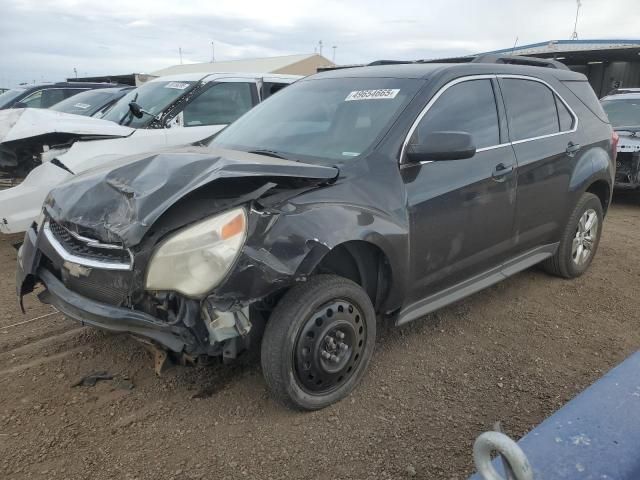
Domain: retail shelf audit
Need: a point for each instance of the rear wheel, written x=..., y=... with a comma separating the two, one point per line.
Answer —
x=580, y=239
x=318, y=342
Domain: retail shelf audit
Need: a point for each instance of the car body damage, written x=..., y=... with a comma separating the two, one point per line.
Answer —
x=333, y=203
x=133, y=206
x=169, y=111
x=628, y=158
x=30, y=136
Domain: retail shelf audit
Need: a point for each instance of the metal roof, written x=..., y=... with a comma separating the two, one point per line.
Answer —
x=566, y=46
x=267, y=64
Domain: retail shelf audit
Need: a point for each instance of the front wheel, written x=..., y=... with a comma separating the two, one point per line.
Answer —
x=318, y=342
x=580, y=239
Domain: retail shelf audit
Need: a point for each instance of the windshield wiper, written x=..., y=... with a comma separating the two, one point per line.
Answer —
x=269, y=153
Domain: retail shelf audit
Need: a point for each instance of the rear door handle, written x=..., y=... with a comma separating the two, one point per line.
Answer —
x=572, y=148
x=500, y=171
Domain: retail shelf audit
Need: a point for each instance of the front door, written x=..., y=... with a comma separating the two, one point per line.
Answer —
x=461, y=211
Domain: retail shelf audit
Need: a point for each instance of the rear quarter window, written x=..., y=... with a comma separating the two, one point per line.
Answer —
x=586, y=95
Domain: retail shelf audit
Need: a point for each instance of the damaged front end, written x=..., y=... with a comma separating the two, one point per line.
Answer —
x=30, y=137
x=628, y=159
x=159, y=247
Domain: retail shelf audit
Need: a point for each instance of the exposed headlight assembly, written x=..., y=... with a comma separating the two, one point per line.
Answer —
x=195, y=260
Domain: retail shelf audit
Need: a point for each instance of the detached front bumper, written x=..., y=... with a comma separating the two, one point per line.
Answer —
x=32, y=270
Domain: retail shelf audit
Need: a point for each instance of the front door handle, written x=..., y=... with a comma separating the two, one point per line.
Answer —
x=500, y=171
x=572, y=148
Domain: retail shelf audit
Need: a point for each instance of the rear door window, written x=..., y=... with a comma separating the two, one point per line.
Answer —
x=469, y=107
x=34, y=100
x=269, y=88
x=220, y=104
x=531, y=109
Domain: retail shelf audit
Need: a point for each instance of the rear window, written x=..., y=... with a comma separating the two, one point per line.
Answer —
x=531, y=109
x=587, y=96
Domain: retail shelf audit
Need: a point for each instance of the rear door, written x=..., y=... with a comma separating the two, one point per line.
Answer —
x=542, y=128
x=461, y=211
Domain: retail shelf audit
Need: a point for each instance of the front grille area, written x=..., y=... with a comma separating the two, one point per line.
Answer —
x=81, y=248
x=108, y=287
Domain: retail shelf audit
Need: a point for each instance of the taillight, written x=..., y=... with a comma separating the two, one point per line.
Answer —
x=614, y=144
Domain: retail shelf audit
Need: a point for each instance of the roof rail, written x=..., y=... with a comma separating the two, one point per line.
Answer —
x=520, y=60
x=390, y=62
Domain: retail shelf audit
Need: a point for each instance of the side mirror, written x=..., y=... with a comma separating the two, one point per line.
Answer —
x=20, y=105
x=438, y=146
x=136, y=109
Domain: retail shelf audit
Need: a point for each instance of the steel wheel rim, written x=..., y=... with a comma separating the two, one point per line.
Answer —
x=585, y=238
x=329, y=347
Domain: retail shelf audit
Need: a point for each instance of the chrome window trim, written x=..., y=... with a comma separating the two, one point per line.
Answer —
x=86, y=262
x=555, y=92
x=467, y=78
x=493, y=147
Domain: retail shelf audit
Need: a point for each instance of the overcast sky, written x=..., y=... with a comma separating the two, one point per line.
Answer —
x=45, y=39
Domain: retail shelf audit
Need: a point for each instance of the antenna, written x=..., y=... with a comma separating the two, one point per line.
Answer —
x=180, y=52
x=574, y=35
x=513, y=50
x=333, y=58
x=213, y=52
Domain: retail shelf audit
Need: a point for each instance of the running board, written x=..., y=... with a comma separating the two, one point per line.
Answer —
x=480, y=282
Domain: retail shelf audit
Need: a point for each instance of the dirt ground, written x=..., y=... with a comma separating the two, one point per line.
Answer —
x=515, y=352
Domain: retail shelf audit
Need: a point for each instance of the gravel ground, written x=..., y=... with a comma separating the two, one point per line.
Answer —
x=515, y=352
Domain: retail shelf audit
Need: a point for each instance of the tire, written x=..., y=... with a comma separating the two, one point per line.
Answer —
x=318, y=342
x=564, y=263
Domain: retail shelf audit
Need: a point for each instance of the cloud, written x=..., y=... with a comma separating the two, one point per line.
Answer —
x=46, y=41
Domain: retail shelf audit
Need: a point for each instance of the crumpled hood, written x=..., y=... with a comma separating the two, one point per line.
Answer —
x=121, y=202
x=23, y=123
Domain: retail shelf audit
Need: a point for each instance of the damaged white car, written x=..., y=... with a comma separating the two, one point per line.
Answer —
x=623, y=110
x=40, y=149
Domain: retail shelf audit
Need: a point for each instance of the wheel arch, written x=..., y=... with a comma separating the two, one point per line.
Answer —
x=602, y=190
x=362, y=262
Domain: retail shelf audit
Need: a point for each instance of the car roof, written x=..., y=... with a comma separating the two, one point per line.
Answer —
x=69, y=84
x=209, y=77
x=426, y=70
x=622, y=96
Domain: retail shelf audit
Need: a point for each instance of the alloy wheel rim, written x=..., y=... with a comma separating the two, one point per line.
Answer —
x=330, y=347
x=585, y=238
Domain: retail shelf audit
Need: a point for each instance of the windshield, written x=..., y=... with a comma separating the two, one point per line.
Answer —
x=86, y=103
x=623, y=112
x=153, y=97
x=334, y=118
x=10, y=95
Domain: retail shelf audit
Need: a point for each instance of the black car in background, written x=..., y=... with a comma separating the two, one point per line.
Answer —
x=92, y=103
x=45, y=95
x=355, y=195
x=623, y=110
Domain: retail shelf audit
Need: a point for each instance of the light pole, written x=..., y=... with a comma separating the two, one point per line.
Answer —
x=333, y=59
x=574, y=35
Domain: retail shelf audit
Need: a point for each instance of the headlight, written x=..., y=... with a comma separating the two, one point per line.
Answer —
x=196, y=259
